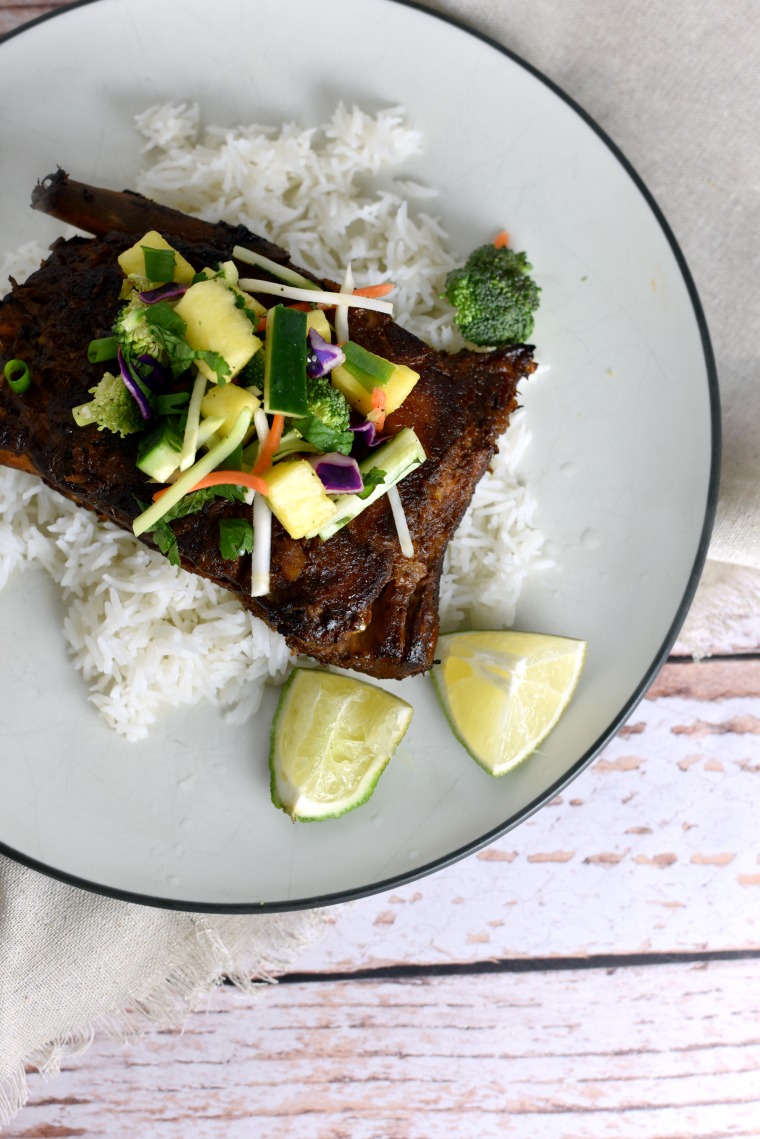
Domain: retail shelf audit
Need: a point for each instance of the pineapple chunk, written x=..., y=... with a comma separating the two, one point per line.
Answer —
x=396, y=389
x=317, y=320
x=298, y=498
x=214, y=324
x=132, y=260
x=231, y=278
x=228, y=401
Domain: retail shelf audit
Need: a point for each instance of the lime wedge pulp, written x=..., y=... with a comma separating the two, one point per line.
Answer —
x=503, y=692
x=331, y=739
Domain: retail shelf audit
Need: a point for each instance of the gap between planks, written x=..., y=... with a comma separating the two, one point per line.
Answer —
x=604, y=961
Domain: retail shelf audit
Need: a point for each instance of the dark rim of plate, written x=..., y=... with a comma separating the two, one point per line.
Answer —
x=660, y=657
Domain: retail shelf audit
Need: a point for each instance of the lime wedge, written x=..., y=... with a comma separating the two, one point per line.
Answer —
x=504, y=692
x=331, y=739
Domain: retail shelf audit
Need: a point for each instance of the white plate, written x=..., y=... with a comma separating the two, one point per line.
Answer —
x=623, y=459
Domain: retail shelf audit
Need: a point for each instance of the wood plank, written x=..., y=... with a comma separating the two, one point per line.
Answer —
x=20, y=12
x=648, y=1053
x=654, y=848
x=713, y=679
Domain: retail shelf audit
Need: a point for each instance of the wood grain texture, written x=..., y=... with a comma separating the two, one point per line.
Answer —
x=645, y=1053
x=14, y=15
x=654, y=848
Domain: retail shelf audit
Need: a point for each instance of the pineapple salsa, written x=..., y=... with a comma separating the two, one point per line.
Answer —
x=235, y=400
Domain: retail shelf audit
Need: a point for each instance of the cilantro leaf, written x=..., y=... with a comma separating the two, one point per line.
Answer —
x=195, y=502
x=169, y=329
x=162, y=533
x=246, y=311
x=325, y=438
x=163, y=536
x=235, y=537
x=373, y=478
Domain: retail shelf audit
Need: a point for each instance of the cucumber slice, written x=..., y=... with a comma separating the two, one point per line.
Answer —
x=285, y=357
x=159, y=452
x=396, y=459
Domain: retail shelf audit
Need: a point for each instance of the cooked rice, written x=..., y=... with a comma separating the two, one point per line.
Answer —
x=145, y=634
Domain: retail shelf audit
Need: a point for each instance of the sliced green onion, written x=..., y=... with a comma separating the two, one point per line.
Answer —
x=16, y=373
x=369, y=370
x=82, y=414
x=103, y=349
x=159, y=264
x=272, y=289
x=288, y=275
x=185, y=483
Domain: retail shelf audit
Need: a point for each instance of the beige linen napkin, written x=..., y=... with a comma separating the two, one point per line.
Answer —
x=673, y=82
x=72, y=964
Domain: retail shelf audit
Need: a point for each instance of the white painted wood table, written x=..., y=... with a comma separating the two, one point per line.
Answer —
x=594, y=973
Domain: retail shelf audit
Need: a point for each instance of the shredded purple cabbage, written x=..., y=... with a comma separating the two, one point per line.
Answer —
x=134, y=389
x=163, y=293
x=368, y=433
x=340, y=474
x=152, y=372
x=323, y=356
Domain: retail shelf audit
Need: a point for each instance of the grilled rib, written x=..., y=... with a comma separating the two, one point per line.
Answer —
x=354, y=601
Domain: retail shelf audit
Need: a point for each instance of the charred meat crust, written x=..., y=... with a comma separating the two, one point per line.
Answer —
x=354, y=601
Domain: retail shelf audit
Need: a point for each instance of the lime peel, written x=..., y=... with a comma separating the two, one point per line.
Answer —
x=504, y=692
x=331, y=739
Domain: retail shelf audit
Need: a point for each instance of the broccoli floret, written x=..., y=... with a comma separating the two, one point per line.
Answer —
x=251, y=375
x=494, y=297
x=135, y=336
x=112, y=408
x=327, y=424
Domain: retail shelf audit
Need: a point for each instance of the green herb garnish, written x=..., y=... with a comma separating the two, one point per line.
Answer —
x=235, y=537
x=162, y=533
x=325, y=437
x=169, y=329
x=372, y=479
x=246, y=311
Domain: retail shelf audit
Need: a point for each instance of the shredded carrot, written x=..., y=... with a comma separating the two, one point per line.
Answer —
x=375, y=290
x=301, y=306
x=379, y=402
x=269, y=446
x=501, y=239
x=224, y=478
x=262, y=325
